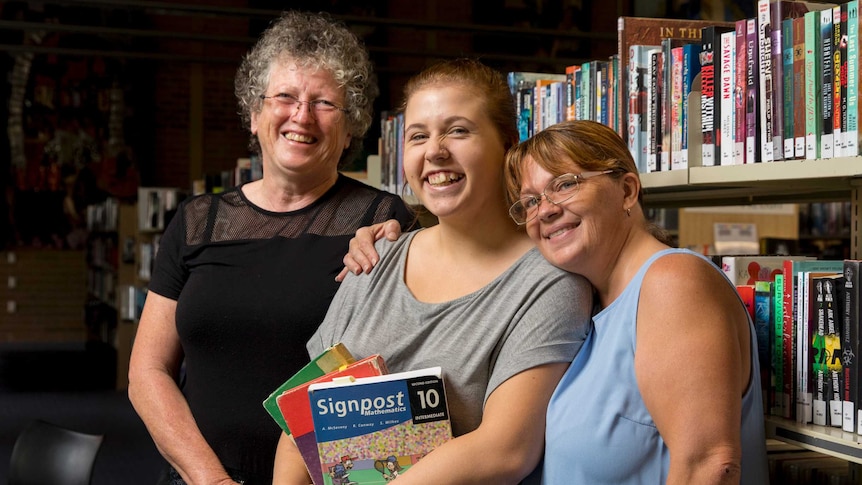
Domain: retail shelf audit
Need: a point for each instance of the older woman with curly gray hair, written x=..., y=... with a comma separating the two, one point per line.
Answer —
x=243, y=278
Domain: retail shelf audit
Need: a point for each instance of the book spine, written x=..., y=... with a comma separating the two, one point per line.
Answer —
x=766, y=81
x=676, y=108
x=852, y=411
x=579, y=98
x=570, y=92
x=803, y=392
x=777, y=65
x=690, y=69
x=636, y=90
x=826, y=86
x=763, y=330
x=799, y=106
x=780, y=403
x=709, y=109
x=838, y=72
x=813, y=104
x=739, y=92
x=667, y=105
x=818, y=349
x=654, y=112
x=602, y=92
x=726, y=138
x=832, y=295
x=787, y=87
x=587, y=94
x=789, y=337
x=752, y=134
x=852, y=137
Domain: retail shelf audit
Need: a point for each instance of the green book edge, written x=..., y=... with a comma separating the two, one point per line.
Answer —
x=329, y=360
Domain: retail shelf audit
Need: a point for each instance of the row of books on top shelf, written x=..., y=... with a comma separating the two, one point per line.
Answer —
x=391, y=150
x=156, y=207
x=354, y=422
x=780, y=86
x=102, y=217
x=806, y=315
x=147, y=249
x=825, y=219
x=131, y=302
x=247, y=169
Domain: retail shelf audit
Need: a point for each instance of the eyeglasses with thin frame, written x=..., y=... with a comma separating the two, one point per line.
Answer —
x=317, y=106
x=559, y=190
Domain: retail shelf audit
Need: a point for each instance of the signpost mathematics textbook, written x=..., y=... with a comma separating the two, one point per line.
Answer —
x=374, y=429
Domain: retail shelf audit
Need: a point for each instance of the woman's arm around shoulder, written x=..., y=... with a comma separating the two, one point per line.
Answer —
x=692, y=364
x=506, y=446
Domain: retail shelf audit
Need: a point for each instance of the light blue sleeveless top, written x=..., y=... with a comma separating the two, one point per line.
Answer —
x=599, y=430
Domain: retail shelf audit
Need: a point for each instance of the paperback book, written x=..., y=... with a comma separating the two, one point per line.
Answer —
x=372, y=430
x=329, y=360
x=296, y=409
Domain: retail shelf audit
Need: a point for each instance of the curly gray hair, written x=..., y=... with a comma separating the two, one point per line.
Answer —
x=311, y=40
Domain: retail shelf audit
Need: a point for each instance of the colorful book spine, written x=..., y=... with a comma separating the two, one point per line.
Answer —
x=799, y=106
x=789, y=344
x=763, y=330
x=827, y=139
x=852, y=312
x=780, y=402
x=787, y=88
x=851, y=138
x=667, y=102
x=752, y=103
x=709, y=108
x=654, y=113
x=570, y=91
x=602, y=83
x=690, y=69
x=776, y=39
x=839, y=72
x=766, y=81
x=637, y=103
x=374, y=429
x=676, y=108
x=579, y=98
x=813, y=86
x=818, y=349
x=799, y=274
x=833, y=293
x=727, y=77
x=740, y=92
x=587, y=92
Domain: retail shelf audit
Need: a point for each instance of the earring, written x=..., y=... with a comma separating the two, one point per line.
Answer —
x=629, y=212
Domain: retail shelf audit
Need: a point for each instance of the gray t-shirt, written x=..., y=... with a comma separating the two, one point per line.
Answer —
x=530, y=315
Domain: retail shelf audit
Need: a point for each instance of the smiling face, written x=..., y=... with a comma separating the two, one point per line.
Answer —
x=453, y=153
x=579, y=232
x=293, y=139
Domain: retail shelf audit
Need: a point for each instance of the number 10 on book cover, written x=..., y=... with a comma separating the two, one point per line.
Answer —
x=372, y=429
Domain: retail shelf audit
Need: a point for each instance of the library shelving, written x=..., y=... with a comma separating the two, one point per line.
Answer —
x=789, y=181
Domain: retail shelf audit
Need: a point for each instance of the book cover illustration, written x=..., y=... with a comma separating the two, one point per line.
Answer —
x=329, y=360
x=296, y=409
x=372, y=430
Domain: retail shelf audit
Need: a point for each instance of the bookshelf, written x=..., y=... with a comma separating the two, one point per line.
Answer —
x=782, y=181
x=788, y=181
x=142, y=225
